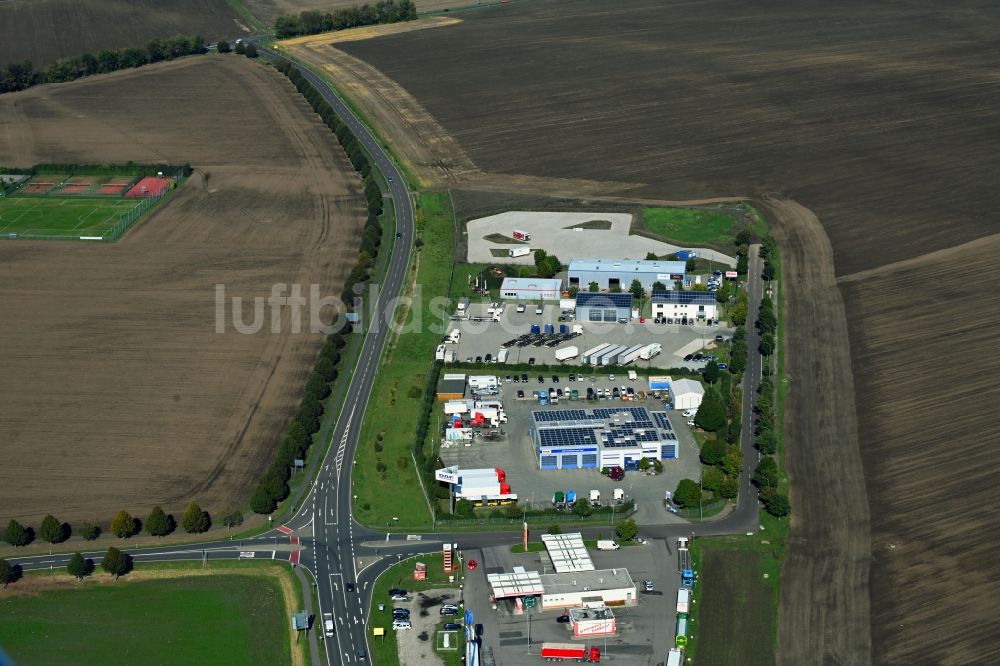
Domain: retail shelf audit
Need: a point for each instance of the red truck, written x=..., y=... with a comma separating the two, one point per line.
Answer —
x=569, y=651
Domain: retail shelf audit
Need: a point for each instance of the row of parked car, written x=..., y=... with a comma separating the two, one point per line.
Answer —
x=401, y=616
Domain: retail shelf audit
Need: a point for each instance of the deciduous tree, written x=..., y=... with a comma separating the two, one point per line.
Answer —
x=712, y=478
x=636, y=289
x=89, y=532
x=712, y=452
x=777, y=504
x=116, y=562
x=688, y=494
x=582, y=507
x=711, y=414
x=159, y=523
x=627, y=530
x=16, y=534
x=8, y=573
x=593, y=287
x=233, y=519
x=52, y=530
x=123, y=525
x=195, y=520
x=711, y=372
x=78, y=567
x=223, y=46
x=766, y=473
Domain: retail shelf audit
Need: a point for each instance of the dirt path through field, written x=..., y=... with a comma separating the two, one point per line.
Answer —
x=824, y=612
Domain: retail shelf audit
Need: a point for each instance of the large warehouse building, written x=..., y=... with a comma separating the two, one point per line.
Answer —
x=531, y=289
x=681, y=305
x=611, y=273
x=601, y=437
x=597, y=306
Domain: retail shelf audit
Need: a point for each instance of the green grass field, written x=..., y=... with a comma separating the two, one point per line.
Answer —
x=687, y=226
x=51, y=216
x=395, y=401
x=226, y=619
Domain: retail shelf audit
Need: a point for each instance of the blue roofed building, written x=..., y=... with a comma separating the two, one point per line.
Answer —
x=601, y=437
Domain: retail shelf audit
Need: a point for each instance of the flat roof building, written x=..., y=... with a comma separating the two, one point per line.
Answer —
x=606, y=307
x=611, y=273
x=607, y=587
x=451, y=387
x=601, y=437
x=531, y=289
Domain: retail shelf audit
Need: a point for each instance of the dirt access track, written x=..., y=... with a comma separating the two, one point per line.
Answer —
x=117, y=392
x=874, y=131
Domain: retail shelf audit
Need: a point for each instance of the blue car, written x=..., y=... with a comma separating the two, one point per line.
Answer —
x=723, y=366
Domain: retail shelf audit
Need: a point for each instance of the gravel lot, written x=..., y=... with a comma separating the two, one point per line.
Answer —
x=416, y=645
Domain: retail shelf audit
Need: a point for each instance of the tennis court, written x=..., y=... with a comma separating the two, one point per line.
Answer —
x=68, y=218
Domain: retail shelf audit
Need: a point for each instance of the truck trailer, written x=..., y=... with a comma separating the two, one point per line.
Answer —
x=519, y=252
x=683, y=600
x=570, y=652
x=609, y=356
x=566, y=353
x=675, y=657
x=589, y=354
x=595, y=498
x=630, y=354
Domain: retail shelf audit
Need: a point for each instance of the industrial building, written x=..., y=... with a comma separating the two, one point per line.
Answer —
x=601, y=437
x=531, y=289
x=451, y=387
x=679, y=305
x=611, y=273
x=597, y=306
x=686, y=393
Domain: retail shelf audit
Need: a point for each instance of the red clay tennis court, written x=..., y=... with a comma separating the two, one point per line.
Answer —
x=116, y=186
x=41, y=185
x=149, y=186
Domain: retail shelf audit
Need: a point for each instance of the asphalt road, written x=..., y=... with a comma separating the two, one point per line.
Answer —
x=323, y=536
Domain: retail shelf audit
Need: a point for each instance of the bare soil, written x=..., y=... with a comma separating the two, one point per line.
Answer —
x=871, y=130
x=117, y=391
x=43, y=31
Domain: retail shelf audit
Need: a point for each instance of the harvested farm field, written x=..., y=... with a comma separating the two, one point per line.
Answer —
x=43, y=31
x=867, y=132
x=115, y=380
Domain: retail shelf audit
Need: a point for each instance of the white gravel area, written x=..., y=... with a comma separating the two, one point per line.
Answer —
x=553, y=233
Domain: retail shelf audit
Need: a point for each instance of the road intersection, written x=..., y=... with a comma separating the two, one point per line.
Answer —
x=323, y=536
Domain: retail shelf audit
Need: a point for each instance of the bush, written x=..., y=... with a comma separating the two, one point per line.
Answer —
x=223, y=46
x=688, y=494
x=89, y=532
x=627, y=530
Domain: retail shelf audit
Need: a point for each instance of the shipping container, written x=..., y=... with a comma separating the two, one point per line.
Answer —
x=630, y=354
x=589, y=354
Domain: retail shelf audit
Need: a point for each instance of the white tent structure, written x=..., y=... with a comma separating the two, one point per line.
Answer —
x=686, y=393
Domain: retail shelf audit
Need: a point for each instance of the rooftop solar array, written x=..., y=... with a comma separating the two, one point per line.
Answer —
x=596, y=298
x=683, y=297
x=579, y=436
x=567, y=552
x=612, y=427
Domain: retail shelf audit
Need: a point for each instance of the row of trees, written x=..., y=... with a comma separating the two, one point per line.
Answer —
x=313, y=22
x=18, y=76
x=273, y=486
x=241, y=48
x=158, y=523
x=114, y=562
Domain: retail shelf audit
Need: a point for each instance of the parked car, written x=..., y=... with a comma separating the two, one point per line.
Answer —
x=572, y=377
x=723, y=366
x=449, y=610
x=489, y=358
x=689, y=412
x=647, y=585
x=524, y=378
x=541, y=380
x=555, y=379
x=538, y=310
x=399, y=625
x=479, y=359
x=452, y=626
x=531, y=361
x=508, y=379
x=611, y=378
x=689, y=357
x=520, y=394
x=562, y=619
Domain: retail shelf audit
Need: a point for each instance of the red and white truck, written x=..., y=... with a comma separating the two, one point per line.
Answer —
x=517, y=234
x=570, y=652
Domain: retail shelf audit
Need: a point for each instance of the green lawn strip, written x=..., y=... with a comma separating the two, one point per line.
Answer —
x=687, y=226
x=384, y=650
x=395, y=401
x=240, y=9
x=229, y=619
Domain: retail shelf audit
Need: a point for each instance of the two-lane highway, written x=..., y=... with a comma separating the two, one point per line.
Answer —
x=331, y=543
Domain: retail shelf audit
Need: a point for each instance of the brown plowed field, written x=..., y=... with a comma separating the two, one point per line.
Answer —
x=877, y=122
x=116, y=390
x=43, y=31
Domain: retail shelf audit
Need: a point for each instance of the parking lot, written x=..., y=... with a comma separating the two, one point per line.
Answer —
x=645, y=631
x=515, y=453
x=480, y=338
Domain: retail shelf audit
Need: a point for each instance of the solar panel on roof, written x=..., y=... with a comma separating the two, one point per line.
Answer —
x=683, y=297
x=589, y=298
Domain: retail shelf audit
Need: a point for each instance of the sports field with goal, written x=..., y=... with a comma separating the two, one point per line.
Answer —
x=58, y=217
